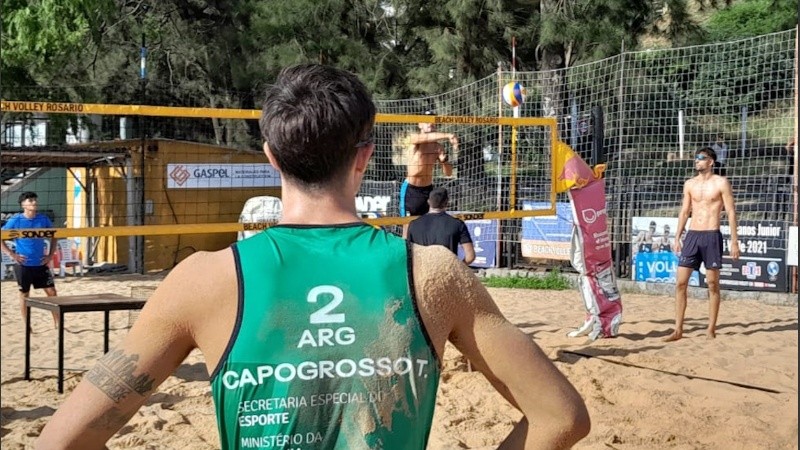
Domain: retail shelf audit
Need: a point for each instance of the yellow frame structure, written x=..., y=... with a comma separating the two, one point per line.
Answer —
x=254, y=114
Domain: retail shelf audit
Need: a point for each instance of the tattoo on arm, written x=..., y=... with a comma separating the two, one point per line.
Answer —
x=113, y=375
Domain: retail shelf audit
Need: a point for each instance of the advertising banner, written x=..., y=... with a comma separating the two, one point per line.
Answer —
x=484, y=240
x=221, y=176
x=653, y=257
x=591, y=257
x=762, y=255
x=591, y=218
x=547, y=237
x=378, y=199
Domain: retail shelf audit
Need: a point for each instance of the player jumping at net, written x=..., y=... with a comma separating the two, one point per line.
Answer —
x=427, y=152
x=704, y=197
x=323, y=331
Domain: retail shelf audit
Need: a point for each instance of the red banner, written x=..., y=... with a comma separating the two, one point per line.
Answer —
x=591, y=257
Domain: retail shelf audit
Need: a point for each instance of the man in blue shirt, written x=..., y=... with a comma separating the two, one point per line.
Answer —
x=32, y=268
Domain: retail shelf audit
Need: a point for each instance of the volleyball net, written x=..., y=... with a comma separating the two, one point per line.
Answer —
x=182, y=187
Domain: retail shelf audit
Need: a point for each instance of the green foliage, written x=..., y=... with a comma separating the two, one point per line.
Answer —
x=750, y=18
x=40, y=32
x=553, y=281
x=48, y=43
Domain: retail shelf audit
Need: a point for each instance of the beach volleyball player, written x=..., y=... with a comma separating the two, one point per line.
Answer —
x=321, y=332
x=705, y=197
x=426, y=153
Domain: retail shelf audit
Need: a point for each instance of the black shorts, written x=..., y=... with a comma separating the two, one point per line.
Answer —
x=39, y=276
x=414, y=199
x=702, y=247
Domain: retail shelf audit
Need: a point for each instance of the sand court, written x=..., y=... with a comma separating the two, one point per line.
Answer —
x=738, y=391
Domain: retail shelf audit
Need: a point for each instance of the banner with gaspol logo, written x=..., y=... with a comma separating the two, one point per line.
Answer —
x=221, y=176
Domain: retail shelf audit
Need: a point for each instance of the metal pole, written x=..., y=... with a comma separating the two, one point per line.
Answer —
x=620, y=226
x=681, y=134
x=744, y=131
x=795, y=175
x=141, y=175
x=498, y=247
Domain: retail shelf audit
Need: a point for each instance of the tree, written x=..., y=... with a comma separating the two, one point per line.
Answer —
x=751, y=18
x=41, y=44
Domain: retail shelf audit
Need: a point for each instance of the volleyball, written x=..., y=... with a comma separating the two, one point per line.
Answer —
x=514, y=94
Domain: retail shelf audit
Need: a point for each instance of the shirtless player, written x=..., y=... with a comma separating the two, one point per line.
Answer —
x=704, y=197
x=427, y=151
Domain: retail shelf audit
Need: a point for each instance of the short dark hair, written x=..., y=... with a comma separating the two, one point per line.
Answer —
x=314, y=119
x=28, y=195
x=438, y=198
x=709, y=152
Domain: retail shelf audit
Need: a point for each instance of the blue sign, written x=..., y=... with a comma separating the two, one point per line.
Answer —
x=659, y=267
x=556, y=228
x=547, y=237
x=484, y=240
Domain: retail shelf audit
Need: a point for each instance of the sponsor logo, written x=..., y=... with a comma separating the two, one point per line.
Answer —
x=470, y=216
x=211, y=173
x=179, y=175
x=31, y=234
x=751, y=270
x=773, y=268
x=373, y=205
x=591, y=215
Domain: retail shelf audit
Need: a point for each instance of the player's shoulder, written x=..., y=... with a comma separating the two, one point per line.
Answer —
x=203, y=276
x=720, y=180
x=213, y=262
x=418, y=223
x=436, y=264
x=12, y=221
x=447, y=291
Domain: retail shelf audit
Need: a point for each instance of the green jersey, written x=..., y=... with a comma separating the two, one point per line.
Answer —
x=328, y=350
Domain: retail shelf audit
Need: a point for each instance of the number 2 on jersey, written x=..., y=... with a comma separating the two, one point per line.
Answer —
x=325, y=314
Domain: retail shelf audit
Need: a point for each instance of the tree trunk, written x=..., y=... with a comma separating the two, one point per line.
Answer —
x=551, y=64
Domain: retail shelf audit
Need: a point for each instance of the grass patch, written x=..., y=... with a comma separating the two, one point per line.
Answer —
x=552, y=281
